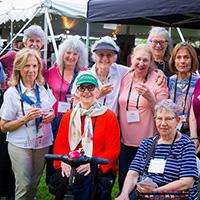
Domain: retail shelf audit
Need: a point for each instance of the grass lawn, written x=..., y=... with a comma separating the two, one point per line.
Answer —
x=43, y=193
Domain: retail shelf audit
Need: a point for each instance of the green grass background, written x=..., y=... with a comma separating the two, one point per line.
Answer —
x=43, y=194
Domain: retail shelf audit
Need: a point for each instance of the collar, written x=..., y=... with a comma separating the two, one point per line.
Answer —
x=24, y=89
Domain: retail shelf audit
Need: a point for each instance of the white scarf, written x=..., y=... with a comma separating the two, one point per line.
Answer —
x=75, y=135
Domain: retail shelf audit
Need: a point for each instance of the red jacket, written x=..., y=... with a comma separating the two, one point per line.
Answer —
x=106, y=143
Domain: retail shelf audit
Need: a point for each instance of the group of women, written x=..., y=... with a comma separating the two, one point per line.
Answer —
x=90, y=103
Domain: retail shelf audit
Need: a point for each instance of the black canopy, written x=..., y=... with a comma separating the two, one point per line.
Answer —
x=174, y=13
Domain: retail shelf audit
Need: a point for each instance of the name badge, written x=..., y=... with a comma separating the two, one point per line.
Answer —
x=133, y=116
x=63, y=106
x=157, y=166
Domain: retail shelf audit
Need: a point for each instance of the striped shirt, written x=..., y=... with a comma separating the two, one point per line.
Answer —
x=181, y=162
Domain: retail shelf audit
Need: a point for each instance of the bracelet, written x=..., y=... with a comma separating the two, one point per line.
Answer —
x=195, y=138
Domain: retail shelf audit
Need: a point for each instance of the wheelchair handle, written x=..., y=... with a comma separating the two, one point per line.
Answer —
x=76, y=161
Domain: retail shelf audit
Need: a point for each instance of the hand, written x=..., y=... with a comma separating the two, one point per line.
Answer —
x=143, y=90
x=106, y=89
x=84, y=168
x=47, y=117
x=65, y=169
x=145, y=188
x=33, y=114
x=161, y=79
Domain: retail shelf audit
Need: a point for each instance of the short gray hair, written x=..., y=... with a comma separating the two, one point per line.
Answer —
x=73, y=44
x=34, y=30
x=168, y=105
x=161, y=32
x=105, y=39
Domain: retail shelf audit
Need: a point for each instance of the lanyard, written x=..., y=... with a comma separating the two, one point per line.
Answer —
x=25, y=98
x=70, y=86
x=170, y=150
x=187, y=91
x=129, y=93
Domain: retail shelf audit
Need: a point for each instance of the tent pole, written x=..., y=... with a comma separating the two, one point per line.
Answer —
x=51, y=32
x=170, y=31
x=46, y=41
x=180, y=34
x=25, y=25
x=11, y=33
x=87, y=36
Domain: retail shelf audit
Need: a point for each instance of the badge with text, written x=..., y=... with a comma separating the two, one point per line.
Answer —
x=157, y=166
x=133, y=116
x=63, y=106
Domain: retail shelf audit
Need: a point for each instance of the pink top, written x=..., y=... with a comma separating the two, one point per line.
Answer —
x=54, y=80
x=133, y=133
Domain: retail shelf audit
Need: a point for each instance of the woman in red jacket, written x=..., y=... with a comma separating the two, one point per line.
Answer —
x=92, y=127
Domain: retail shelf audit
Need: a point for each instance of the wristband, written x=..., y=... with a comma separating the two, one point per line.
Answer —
x=195, y=138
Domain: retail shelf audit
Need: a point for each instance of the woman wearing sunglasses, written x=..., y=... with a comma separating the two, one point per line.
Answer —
x=91, y=127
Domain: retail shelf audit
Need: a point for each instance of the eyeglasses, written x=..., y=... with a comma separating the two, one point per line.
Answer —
x=90, y=88
x=160, y=42
x=167, y=119
x=108, y=55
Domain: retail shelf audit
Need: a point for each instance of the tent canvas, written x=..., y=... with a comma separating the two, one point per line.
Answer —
x=171, y=13
x=21, y=10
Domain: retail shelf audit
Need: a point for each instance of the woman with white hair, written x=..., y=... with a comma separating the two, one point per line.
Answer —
x=165, y=164
x=108, y=72
x=161, y=46
x=72, y=57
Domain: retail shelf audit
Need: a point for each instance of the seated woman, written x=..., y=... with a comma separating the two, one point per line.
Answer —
x=92, y=127
x=172, y=163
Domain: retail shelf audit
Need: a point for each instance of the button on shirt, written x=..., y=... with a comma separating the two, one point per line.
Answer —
x=11, y=110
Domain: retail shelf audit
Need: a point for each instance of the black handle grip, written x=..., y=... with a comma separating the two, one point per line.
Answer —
x=76, y=161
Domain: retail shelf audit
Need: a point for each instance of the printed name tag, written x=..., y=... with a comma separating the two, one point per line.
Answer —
x=157, y=166
x=63, y=106
x=133, y=116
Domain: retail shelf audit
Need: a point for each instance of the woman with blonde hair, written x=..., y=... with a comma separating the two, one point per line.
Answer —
x=26, y=116
x=139, y=93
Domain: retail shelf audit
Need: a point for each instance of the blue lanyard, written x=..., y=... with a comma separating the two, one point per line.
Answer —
x=25, y=98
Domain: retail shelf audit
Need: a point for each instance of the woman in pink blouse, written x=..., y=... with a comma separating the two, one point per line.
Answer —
x=139, y=93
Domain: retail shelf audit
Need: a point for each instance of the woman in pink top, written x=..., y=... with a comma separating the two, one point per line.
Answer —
x=72, y=57
x=139, y=93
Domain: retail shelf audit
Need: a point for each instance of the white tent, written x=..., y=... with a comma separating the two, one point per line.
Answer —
x=15, y=10
x=22, y=10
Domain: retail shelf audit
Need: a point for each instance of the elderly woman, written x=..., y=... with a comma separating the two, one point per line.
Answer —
x=184, y=63
x=92, y=127
x=139, y=93
x=108, y=72
x=171, y=164
x=26, y=116
x=161, y=46
x=33, y=38
x=72, y=57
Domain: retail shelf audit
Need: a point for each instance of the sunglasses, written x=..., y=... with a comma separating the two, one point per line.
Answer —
x=90, y=88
